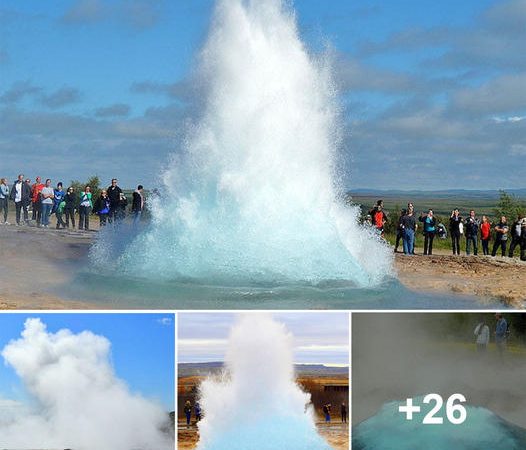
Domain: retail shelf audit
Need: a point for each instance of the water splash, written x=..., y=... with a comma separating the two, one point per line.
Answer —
x=254, y=193
x=256, y=404
x=388, y=430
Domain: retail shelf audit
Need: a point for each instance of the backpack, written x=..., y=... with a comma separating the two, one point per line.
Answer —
x=379, y=219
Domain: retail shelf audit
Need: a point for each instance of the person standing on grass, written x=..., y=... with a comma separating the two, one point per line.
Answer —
x=47, y=195
x=58, y=205
x=378, y=217
x=4, y=199
x=85, y=208
x=501, y=334
x=21, y=196
x=501, y=236
x=399, y=230
x=430, y=230
x=485, y=234
x=409, y=227
x=70, y=203
x=455, y=229
x=482, y=334
x=36, y=200
x=472, y=226
x=114, y=194
x=137, y=204
x=516, y=231
x=102, y=208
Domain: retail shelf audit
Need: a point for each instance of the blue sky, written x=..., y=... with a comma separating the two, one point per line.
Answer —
x=319, y=338
x=142, y=349
x=434, y=93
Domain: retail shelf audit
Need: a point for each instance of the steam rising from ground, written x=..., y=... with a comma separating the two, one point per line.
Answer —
x=256, y=404
x=254, y=195
x=78, y=401
x=399, y=356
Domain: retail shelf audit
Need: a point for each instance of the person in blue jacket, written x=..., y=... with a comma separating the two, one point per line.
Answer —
x=430, y=229
x=58, y=210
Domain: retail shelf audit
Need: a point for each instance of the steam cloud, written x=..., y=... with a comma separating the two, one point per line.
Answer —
x=79, y=402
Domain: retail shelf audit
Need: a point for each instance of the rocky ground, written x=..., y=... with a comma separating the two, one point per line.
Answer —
x=486, y=277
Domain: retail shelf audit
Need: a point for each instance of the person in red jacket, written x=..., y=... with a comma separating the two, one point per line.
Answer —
x=36, y=201
x=485, y=234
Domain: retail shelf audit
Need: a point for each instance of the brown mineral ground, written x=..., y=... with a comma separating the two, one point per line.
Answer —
x=485, y=277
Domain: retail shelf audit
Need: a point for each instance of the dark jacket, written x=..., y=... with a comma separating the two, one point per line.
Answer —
x=102, y=205
x=408, y=222
x=71, y=201
x=454, y=225
x=136, y=202
x=472, y=227
x=26, y=193
x=114, y=194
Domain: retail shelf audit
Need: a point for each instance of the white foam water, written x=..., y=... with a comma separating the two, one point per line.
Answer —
x=254, y=195
x=256, y=403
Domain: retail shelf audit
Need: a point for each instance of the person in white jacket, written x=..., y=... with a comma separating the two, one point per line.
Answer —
x=482, y=333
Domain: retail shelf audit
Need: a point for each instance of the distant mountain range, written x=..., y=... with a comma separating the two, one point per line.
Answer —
x=208, y=368
x=463, y=193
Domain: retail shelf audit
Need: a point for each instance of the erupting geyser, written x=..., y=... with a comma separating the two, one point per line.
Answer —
x=78, y=402
x=256, y=404
x=254, y=195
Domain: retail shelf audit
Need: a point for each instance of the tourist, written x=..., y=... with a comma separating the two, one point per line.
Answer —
x=399, y=230
x=455, y=229
x=327, y=412
x=485, y=234
x=21, y=196
x=137, y=204
x=102, y=208
x=429, y=231
x=343, y=410
x=4, y=199
x=501, y=333
x=472, y=225
x=378, y=217
x=409, y=227
x=501, y=236
x=59, y=204
x=188, y=412
x=70, y=203
x=482, y=333
x=516, y=230
x=197, y=410
x=114, y=194
x=85, y=208
x=36, y=200
x=46, y=195
x=523, y=240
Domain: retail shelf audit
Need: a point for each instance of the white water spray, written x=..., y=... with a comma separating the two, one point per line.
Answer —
x=253, y=195
x=78, y=402
x=256, y=404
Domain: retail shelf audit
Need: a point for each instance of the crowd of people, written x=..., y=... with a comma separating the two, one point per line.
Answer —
x=501, y=333
x=473, y=229
x=44, y=200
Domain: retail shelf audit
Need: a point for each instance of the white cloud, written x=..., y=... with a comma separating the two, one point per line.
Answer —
x=81, y=403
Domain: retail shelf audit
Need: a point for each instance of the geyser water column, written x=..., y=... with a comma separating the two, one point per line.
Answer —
x=256, y=404
x=253, y=194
